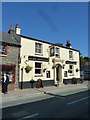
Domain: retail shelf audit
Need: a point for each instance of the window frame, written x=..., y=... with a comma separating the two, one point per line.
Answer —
x=70, y=55
x=38, y=68
x=71, y=70
x=4, y=49
x=57, y=52
x=1, y=49
x=38, y=48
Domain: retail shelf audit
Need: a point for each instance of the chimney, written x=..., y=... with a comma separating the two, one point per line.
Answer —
x=17, y=29
x=11, y=30
x=68, y=44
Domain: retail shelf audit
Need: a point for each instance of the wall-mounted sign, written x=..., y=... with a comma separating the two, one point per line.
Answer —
x=52, y=51
x=65, y=73
x=48, y=74
x=71, y=62
x=34, y=58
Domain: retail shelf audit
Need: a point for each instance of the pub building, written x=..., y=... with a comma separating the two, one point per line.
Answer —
x=35, y=59
x=54, y=64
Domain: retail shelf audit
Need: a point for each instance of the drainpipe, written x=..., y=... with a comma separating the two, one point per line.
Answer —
x=54, y=72
x=22, y=79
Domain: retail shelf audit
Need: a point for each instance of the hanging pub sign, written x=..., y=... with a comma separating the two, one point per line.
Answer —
x=34, y=58
x=52, y=51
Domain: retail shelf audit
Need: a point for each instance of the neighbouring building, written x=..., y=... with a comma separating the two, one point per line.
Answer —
x=85, y=71
x=10, y=56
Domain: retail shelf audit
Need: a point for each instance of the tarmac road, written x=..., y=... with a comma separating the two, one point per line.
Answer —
x=70, y=106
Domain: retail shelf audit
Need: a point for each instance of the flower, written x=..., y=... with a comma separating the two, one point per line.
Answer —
x=53, y=66
x=69, y=70
x=28, y=68
x=22, y=66
x=44, y=69
x=77, y=69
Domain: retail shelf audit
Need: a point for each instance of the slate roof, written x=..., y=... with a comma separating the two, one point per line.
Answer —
x=11, y=39
x=55, y=44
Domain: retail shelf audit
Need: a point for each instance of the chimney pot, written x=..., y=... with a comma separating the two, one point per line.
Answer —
x=68, y=44
x=17, y=29
x=11, y=30
x=17, y=26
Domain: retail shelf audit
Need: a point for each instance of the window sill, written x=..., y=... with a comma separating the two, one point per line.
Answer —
x=38, y=75
x=71, y=74
x=70, y=58
x=3, y=55
x=39, y=54
x=57, y=56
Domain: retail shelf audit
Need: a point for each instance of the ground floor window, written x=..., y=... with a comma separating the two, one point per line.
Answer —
x=71, y=71
x=38, y=68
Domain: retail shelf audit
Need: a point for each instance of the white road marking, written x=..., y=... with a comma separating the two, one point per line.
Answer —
x=78, y=100
x=30, y=116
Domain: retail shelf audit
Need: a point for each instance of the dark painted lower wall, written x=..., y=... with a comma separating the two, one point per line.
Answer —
x=23, y=85
x=71, y=81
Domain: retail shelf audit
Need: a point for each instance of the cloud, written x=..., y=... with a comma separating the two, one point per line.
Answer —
x=48, y=19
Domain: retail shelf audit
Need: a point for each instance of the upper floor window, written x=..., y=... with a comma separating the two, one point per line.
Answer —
x=1, y=48
x=54, y=51
x=4, y=49
x=57, y=52
x=38, y=48
x=70, y=55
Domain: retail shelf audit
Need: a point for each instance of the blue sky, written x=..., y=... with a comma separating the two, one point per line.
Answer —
x=54, y=22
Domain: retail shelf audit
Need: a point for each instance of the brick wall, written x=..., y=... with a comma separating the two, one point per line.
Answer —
x=13, y=58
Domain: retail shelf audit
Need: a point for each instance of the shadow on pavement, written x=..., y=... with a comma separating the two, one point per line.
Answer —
x=51, y=94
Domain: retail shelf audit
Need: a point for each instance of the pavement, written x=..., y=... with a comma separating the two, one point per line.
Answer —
x=18, y=96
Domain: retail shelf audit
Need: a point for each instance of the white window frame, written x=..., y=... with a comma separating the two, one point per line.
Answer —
x=39, y=69
x=71, y=71
x=57, y=51
x=3, y=50
x=70, y=55
x=38, y=48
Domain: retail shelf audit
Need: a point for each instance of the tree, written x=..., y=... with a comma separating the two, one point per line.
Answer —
x=83, y=60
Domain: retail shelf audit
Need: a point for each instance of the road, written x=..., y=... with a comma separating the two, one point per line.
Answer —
x=72, y=106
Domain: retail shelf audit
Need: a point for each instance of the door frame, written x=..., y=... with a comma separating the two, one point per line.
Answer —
x=58, y=74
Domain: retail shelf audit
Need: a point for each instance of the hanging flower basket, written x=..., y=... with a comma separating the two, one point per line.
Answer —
x=77, y=70
x=44, y=69
x=28, y=68
x=69, y=70
x=53, y=66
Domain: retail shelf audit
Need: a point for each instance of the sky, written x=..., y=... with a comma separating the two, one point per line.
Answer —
x=55, y=22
